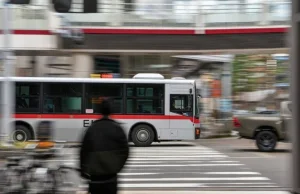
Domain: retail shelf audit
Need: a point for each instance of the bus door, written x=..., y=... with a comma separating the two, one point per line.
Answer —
x=181, y=116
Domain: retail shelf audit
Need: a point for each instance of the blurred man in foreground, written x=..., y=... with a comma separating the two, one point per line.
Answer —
x=104, y=151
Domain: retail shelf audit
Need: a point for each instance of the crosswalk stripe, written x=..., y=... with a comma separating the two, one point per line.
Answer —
x=159, y=185
x=196, y=156
x=179, y=156
x=183, y=165
x=196, y=179
x=175, y=159
x=172, y=154
x=132, y=174
x=180, y=162
x=199, y=173
x=183, y=185
x=235, y=173
x=174, y=151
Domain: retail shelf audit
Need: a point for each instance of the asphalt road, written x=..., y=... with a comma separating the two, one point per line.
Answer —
x=274, y=165
x=208, y=164
x=215, y=164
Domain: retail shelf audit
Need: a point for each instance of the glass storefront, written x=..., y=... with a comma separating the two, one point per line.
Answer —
x=148, y=64
x=108, y=66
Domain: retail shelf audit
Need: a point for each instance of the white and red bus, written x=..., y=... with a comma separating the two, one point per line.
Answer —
x=150, y=108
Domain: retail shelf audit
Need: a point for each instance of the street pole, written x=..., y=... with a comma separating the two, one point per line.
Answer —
x=295, y=94
x=7, y=86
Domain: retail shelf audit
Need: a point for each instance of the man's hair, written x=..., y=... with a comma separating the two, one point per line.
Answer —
x=105, y=107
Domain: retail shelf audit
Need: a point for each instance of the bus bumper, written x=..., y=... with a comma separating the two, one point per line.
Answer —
x=197, y=132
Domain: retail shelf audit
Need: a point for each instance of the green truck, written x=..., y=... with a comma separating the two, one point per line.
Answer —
x=266, y=127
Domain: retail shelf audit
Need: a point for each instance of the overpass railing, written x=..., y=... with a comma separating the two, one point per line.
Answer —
x=177, y=14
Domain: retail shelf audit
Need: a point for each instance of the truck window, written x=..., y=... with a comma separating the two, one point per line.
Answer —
x=290, y=106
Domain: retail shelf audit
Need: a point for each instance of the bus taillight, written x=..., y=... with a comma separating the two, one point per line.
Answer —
x=197, y=133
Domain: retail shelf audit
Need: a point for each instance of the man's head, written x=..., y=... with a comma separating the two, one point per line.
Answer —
x=105, y=107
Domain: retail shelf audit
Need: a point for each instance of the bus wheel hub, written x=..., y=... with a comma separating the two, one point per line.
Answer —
x=143, y=135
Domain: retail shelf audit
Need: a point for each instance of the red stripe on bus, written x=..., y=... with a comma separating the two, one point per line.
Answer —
x=138, y=31
x=86, y=116
x=247, y=30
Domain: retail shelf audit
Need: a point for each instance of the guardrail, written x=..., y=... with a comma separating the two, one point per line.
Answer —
x=187, y=14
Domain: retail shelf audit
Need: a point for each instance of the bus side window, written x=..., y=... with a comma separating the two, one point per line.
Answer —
x=144, y=98
x=27, y=97
x=62, y=98
x=181, y=104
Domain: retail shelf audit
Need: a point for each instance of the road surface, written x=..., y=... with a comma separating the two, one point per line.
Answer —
x=222, y=164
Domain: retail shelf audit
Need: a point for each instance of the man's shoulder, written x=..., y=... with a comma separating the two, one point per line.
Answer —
x=106, y=121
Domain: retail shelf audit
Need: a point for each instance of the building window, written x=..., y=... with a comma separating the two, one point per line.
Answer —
x=27, y=97
x=145, y=99
x=107, y=65
x=95, y=92
x=62, y=97
x=181, y=104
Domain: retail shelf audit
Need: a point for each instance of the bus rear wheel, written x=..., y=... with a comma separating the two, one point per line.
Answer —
x=21, y=134
x=142, y=135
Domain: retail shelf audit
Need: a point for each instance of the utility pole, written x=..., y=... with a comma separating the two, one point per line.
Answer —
x=7, y=88
x=295, y=94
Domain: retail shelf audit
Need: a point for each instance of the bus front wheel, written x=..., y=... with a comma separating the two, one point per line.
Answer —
x=142, y=135
x=21, y=134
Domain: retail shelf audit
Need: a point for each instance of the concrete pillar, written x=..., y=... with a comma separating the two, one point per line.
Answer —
x=265, y=13
x=83, y=65
x=226, y=78
x=124, y=65
x=200, y=19
x=295, y=94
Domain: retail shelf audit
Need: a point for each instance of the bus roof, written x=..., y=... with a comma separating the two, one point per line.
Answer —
x=100, y=80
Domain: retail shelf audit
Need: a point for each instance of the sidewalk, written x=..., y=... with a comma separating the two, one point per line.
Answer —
x=199, y=192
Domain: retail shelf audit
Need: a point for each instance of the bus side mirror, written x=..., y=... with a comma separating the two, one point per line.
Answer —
x=191, y=91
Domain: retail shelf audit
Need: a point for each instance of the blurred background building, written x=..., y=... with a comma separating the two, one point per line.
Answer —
x=181, y=38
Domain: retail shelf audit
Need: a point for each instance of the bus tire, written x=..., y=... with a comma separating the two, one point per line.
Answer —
x=142, y=135
x=21, y=134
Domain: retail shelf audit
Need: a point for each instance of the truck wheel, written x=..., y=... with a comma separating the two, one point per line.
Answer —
x=266, y=141
x=21, y=134
x=142, y=135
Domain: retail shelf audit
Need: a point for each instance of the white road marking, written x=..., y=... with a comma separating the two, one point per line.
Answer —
x=235, y=173
x=144, y=162
x=225, y=161
x=175, y=151
x=196, y=179
x=197, y=192
x=159, y=185
x=205, y=173
x=183, y=165
x=205, y=192
x=175, y=159
x=185, y=185
x=132, y=174
x=258, y=183
x=202, y=156
x=243, y=186
x=173, y=154
x=179, y=162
